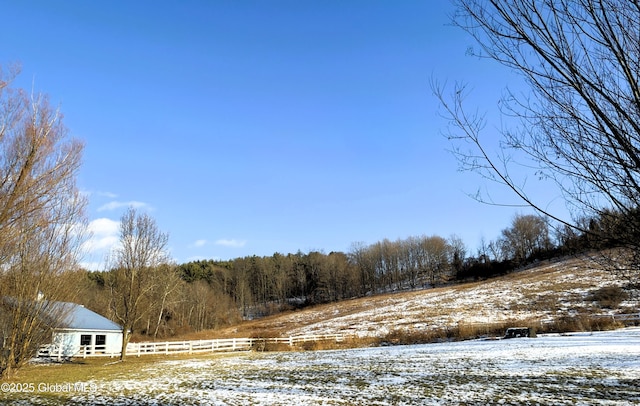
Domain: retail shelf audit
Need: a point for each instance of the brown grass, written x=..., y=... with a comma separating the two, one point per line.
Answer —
x=608, y=297
x=581, y=323
x=461, y=331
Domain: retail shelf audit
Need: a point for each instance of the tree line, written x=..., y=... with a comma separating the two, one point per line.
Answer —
x=165, y=299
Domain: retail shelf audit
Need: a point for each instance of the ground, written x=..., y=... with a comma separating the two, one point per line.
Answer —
x=581, y=368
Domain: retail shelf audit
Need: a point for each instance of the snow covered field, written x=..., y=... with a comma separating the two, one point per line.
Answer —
x=578, y=369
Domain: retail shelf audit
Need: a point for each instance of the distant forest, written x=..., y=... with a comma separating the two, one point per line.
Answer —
x=209, y=294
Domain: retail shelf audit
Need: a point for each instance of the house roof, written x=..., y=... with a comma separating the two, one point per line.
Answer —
x=81, y=318
x=77, y=317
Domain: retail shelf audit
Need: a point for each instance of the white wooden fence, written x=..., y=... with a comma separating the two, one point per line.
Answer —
x=222, y=345
x=55, y=352
x=189, y=347
x=623, y=318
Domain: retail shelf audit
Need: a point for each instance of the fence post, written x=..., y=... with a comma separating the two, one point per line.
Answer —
x=290, y=341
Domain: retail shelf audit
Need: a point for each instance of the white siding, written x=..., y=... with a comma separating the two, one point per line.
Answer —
x=69, y=342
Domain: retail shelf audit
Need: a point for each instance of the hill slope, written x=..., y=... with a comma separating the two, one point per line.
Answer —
x=543, y=297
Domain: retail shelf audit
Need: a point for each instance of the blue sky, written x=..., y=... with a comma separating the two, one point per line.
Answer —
x=255, y=127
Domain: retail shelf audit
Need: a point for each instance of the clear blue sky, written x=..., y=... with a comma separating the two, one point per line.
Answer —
x=254, y=127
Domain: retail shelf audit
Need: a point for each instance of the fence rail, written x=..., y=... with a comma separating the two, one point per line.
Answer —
x=187, y=347
x=52, y=351
x=620, y=317
x=222, y=345
x=190, y=347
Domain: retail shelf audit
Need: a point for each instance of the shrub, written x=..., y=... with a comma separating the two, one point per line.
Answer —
x=580, y=322
x=608, y=297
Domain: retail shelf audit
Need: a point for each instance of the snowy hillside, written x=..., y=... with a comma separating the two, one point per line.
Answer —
x=535, y=296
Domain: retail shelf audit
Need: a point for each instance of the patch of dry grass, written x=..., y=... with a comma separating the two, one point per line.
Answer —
x=81, y=370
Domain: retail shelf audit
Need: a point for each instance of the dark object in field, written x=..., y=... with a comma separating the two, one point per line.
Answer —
x=514, y=332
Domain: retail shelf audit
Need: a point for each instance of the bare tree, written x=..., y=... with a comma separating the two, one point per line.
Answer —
x=527, y=235
x=435, y=258
x=41, y=222
x=361, y=255
x=579, y=126
x=458, y=252
x=141, y=250
x=166, y=290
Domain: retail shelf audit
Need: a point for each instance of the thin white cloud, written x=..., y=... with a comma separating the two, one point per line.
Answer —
x=200, y=243
x=104, y=226
x=233, y=243
x=107, y=194
x=114, y=205
x=103, y=236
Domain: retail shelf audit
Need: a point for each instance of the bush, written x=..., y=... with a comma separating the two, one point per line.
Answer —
x=608, y=297
x=581, y=323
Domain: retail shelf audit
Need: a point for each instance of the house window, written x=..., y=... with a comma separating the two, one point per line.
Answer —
x=85, y=339
x=101, y=341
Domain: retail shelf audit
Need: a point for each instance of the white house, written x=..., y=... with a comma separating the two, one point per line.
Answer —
x=84, y=333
